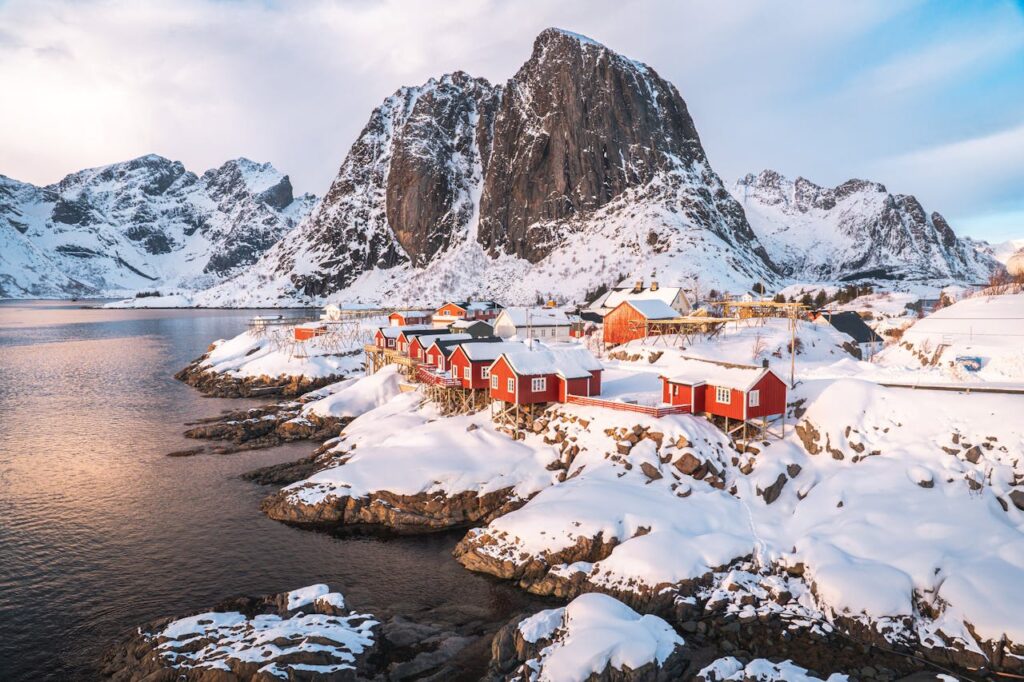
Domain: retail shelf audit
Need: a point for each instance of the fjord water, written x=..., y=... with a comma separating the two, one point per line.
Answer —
x=100, y=531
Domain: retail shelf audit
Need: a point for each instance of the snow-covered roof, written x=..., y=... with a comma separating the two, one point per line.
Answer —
x=693, y=372
x=568, y=363
x=472, y=305
x=428, y=340
x=477, y=352
x=616, y=296
x=537, y=317
x=466, y=324
x=653, y=309
x=448, y=346
x=395, y=332
x=414, y=313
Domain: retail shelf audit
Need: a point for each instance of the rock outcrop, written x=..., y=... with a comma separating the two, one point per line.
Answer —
x=222, y=385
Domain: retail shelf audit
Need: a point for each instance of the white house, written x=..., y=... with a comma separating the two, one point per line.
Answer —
x=549, y=324
x=674, y=297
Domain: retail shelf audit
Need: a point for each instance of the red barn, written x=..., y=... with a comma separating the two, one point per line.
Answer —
x=403, y=318
x=470, y=363
x=628, y=320
x=738, y=392
x=526, y=377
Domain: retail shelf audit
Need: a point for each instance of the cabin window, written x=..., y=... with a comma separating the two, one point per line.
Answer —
x=755, y=398
x=675, y=389
x=494, y=381
x=468, y=372
x=723, y=395
x=485, y=372
x=511, y=385
x=391, y=343
x=539, y=384
x=440, y=361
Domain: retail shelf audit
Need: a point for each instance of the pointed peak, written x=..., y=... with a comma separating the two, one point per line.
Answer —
x=558, y=34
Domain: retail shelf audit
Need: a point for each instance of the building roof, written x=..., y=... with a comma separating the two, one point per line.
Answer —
x=568, y=363
x=489, y=352
x=619, y=294
x=851, y=324
x=472, y=305
x=414, y=313
x=652, y=309
x=428, y=340
x=466, y=324
x=694, y=372
x=535, y=317
x=448, y=346
x=409, y=329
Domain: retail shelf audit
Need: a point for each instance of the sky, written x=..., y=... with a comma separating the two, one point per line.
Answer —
x=925, y=97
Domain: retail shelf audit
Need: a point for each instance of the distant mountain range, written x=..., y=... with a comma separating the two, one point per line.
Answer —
x=583, y=169
x=141, y=224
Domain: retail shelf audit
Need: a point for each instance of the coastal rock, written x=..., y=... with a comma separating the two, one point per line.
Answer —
x=222, y=385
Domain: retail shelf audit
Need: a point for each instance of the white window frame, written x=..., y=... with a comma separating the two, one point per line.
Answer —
x=723, y=391
x=538, y=384
x=391, y=343
x=494, y=381
x=468, y=372
x=754, y=398
x=440, y=361
x=511, y=385
x=485, y=373
x=675, y=389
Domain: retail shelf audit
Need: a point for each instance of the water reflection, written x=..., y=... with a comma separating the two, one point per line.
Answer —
x=100, y=531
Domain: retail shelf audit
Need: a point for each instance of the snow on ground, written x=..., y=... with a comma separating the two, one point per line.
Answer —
x=592, y=633
x=356, y=396
x=273, y=353
x=730, y=669
x=405, y=447
x=988, y=327
x=320, y=629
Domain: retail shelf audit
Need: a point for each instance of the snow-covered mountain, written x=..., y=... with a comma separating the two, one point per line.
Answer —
x=857, y=229
x=585, y=167
x=141, y=224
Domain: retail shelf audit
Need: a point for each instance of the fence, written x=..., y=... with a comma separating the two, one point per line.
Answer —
x=656, y=412
x=427, y=376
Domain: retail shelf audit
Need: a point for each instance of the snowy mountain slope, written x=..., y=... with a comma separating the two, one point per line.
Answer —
x=142, y=224
x=857, y=228
x=583, y=168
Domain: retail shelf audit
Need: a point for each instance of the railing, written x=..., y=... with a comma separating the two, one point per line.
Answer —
x=650, y=410
x=427, y=376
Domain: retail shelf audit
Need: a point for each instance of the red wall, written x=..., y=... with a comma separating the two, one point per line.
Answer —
x=305, y=333
x=773, y=397
x=688, y=395
x=617, y=328
x=501, y=370
x=458, y=362
x=451, y=310
x=432, y=358
x=415, y=349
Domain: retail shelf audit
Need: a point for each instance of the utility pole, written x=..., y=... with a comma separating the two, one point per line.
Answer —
x=792, y=349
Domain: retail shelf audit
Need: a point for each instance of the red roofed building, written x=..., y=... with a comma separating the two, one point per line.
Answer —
x=736, y=392
x=527, y=377
x=628, y=320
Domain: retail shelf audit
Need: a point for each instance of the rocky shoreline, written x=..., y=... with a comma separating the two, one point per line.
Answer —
x=264, y=427
x=199, y=376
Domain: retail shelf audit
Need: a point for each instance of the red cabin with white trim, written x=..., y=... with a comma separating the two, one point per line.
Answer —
x=470, y=363
x=527, y=377
x=736, y=392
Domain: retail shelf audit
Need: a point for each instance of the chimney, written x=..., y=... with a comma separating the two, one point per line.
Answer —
x=638, y=287
x=764, y=363
x=654, y=285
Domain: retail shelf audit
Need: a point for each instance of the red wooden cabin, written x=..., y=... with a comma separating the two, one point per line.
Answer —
x=440, y=348
x=470, y=363
x=402, y=318
x=305, y=332
x=741, y=393
x=628, y=320
x=526, y=377
x=466, y=310
x=406, y=335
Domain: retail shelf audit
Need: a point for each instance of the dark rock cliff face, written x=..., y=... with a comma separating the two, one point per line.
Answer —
x=578, y=125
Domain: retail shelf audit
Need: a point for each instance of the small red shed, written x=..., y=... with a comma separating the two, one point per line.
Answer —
x=525, y=377
x=305, y=332
x=735, y=391
x=628, y=320
x=403, y=318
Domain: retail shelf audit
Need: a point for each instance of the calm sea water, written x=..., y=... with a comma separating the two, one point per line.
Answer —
x=100, y=531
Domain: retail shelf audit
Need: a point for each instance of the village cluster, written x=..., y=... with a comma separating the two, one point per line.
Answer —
x=468, y=355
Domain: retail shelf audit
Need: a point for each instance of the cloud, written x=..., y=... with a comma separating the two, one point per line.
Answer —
x=92, y=82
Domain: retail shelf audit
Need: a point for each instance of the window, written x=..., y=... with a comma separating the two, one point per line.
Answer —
x=511, y=385
x=755, y=398
x=723, y=395
x=675, y=389
x=391, y=343
x=440, y=361
x=538, y=384
x=468, y=372
x=494, y=381
x=485, y=373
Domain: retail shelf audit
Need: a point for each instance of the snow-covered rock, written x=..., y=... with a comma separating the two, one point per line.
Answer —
x=731, y=669
x=142, y=224
x=593, y=637
x=855, y=230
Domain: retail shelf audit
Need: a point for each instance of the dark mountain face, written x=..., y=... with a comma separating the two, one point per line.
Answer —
x=578, y=125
